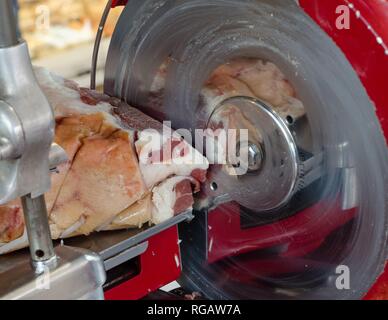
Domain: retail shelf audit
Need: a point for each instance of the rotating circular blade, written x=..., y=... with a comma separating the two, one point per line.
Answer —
x=328, y=209
x=266, y=177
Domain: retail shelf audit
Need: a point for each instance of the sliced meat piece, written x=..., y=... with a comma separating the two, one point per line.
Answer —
x=69, y=133
x=173, y=196
x=11, y=222
x=104, y=179
x=162, y=152
x=161, y=157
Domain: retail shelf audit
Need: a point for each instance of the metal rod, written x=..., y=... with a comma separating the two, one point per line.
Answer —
x=38, y=230
x=8, y=24
x=97, y=42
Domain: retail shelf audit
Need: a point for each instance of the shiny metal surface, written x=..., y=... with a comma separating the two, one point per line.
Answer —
x=26, y=157
x=350, y=196
x=11, y=133
x=27, y=123
x=272, y=183
x=6, y=149
x=255, y=157
x=38, y=230
x=125, y=255
x=97, y=42
x=57, y=156
x=291, y=253
x=79, y=274
x=106, y=244
x=111, y=247
x=29, y=127
x=111, y=243
x=8, y=34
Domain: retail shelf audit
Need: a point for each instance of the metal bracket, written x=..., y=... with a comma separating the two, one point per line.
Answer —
x=125, y=255
x=79, y=274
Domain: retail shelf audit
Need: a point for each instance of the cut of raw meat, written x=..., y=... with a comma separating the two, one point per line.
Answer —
x=102, y=185
x=173, y=196
x=104, y=179
x=162, y=152
x=11, y=222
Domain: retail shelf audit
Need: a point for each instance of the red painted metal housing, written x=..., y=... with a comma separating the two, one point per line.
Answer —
x=159, y=265
x=365, y=46
x=116, y=3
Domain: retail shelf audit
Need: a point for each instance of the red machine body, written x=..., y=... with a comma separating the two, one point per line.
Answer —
x=159, y=265
x=116, y=3
x=364, y=44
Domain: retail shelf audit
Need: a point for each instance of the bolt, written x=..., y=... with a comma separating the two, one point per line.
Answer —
x=6, y=149
x=255, y=157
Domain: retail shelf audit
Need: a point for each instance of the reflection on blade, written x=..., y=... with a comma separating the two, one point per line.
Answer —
x=335, y=216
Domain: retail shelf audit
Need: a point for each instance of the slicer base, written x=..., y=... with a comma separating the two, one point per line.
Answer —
x=79, y=274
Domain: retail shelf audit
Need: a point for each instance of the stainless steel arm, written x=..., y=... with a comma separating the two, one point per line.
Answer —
x=8, y=34
x=26, y=135
x=39, y=236
x=27, y=155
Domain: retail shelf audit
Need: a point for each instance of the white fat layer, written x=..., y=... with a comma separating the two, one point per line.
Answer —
x=164, y=198
x=66, y=101
x=151, y=141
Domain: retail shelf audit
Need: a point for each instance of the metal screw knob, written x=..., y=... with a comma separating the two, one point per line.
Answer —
x=255, y=157
x=6, y=149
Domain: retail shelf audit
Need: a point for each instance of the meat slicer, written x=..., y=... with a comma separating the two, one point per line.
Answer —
x=27, y=155
x=313, y=201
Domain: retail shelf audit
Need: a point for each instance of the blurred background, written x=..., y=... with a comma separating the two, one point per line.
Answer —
x=60, y=35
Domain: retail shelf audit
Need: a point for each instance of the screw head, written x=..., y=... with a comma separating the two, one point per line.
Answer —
x=255, y=157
